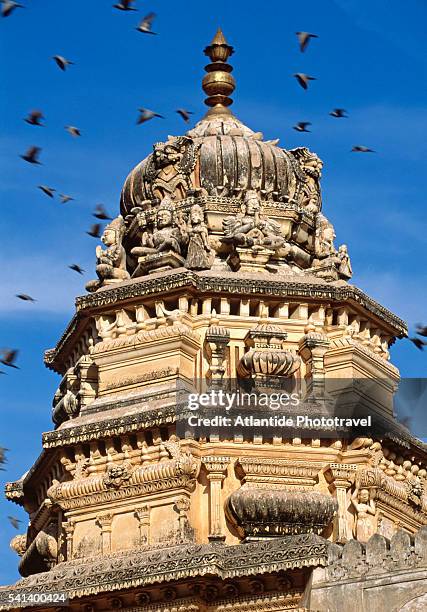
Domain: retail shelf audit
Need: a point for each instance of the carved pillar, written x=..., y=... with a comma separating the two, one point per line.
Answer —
x=182, y=505
x=143, y=516
x=340, y=478
x=216, y=468
x=69, y=528
x=312, y=348
x=217, y=339
x=87, y=373
x=105, y=522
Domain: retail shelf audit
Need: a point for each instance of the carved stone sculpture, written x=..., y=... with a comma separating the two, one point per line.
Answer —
x=345, y=269
x=309, y=195
x=328, y=262
x=170, y=166
x=250, y=228
x=199, y=254
x=164, y=246
x=111, y=262
x=364, y=505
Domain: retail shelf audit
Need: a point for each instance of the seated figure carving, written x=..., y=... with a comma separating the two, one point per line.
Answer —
x=170, y=233
x=111, y=262
x=250, y=228
x=328, y=261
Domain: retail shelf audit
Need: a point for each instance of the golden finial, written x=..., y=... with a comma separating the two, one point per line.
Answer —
x=218, y=83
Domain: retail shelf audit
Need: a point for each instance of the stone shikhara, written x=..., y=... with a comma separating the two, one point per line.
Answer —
x=222, y=266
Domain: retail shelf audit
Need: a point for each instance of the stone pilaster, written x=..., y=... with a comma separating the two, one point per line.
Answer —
x=340, y=477
x=216, y=468
x=105, y=522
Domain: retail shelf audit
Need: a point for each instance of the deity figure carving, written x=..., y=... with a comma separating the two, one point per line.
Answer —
x=170, y=233
x=329, y=262
x=170, y=166
x=308, y=195
x=325, y=235
x=250, y=228
x=111, y=262
x=345, y=269
x=366, y=514
x=199, y=254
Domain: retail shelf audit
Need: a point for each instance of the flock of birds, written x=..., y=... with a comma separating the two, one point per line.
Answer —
x=36, y=118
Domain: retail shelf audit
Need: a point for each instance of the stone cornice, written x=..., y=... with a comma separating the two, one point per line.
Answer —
x=206, y=283
x=233, y=283
x=137, y=568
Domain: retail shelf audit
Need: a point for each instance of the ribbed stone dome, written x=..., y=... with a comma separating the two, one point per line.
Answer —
x=228, y=158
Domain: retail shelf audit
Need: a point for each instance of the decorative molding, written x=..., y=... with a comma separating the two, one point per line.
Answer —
x=139, y=568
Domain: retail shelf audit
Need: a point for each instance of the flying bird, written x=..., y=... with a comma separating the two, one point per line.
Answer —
x=304, y=39
x=71, y=129
x=62, y=62
x=146, y=115
x=25, y=298
x=8, y=358
x=185, y=114
x=14, y=522
x=420, y=344
x=361, y=149
x=101, y=213
x=3, y=454
x=65, y=198
x=145, y=25
x=301, y=126
x=8, y=6
x=49, y=191
x=421, y=330
x=339, y=113
x=95, y=230
x=31, y=156
x=76, y=268
x=125, y=5
x=303, y=79
x=34, y=118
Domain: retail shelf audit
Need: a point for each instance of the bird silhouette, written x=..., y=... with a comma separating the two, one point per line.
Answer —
x=304, y=39
x=8, y=358
x=420, y=344
x=361, y=149
x=145, y=24
x=339, y=113
x=25, y=298
x=76, y=268
x=8, y=6
x=301, y=126
x=49, y=191
x=34, y=118
x=145, y=115
x=125, y=5
x=72, y=130
x=421, y=330
x=65, y=198
x=101, y=213
x=32, y=155
x=62, y=62
x=95, y=230
x=14, y=522
x=185, y=114
x=303, y=79
x=3, y=451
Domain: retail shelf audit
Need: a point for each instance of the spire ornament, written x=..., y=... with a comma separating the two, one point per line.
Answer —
x=218, y=83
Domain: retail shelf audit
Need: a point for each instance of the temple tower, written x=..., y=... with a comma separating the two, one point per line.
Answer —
x=221, y=269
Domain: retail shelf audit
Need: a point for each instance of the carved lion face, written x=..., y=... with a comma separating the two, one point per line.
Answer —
x=166, y=154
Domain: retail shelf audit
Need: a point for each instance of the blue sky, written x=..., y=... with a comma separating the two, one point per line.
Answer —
x=370, y=58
